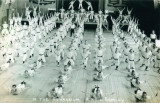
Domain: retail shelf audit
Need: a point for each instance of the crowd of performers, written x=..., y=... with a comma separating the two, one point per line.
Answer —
x=141, y=51
x=32, y=41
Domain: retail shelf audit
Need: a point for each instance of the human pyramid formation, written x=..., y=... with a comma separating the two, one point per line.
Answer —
x=71, y=6
x=32, y=41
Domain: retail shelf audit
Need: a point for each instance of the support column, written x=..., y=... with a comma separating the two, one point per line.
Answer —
x=63, y=3
x=105, y=4
x=101, y=5
x=57, y=5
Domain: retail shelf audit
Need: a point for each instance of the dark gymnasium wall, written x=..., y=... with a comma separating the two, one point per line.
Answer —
x=147, y=15
x=158, y=20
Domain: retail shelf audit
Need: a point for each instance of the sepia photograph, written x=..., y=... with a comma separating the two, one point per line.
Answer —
x=79, y=51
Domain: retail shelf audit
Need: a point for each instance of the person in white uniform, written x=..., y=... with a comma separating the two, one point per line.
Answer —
x=71, y=4
x=146, y=57
x=70, y=57
x=129, y=13
x=31, y=48
x=57, y=55
x=153, y=36
x=89, y=5
x=131, y=57
x=85, y=57
x=10, y=55
x=99, y=54
x=141, y=96
x=11, y=23
x=27, y=11
x=62, y=10
x=58, y=91
x=35, y=11
x=41, y=51
x=68, y=68
x=120, y=17
x=24, y=51
x=135, y=82
x=5, y=30
x=62, y=79
x=96, y=93
x=91, y=17
x=21, y=87
x=116, y=57
x=29, y=73
x=62, y=50
x=14, y=90
x=80, y=4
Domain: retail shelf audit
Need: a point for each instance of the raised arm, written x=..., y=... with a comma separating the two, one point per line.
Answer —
x=131, y=10
x=118, y=10
x=123, y=9
x=127, y=9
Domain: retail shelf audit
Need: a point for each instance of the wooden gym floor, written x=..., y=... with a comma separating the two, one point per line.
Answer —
x=80, y=83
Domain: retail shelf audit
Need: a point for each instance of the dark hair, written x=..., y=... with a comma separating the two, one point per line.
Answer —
x=23, y=82
x=69, y=63
x=33, y=69
x=136, y=90
x=144, y=92
x=26, y=71
x=65, y=66
x=132, y=72
x=143, y=95
x=93, y=90
x=60, y=76
x=13, y=85
x=97, y=89
x=137, y=80
x=59, y=85
x=53, y=89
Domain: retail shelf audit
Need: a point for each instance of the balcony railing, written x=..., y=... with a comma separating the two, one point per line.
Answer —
x=118, y=3
x=43, y=2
